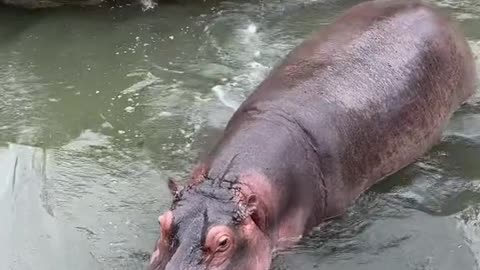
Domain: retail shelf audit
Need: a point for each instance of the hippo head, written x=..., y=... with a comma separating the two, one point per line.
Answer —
x=213, y=225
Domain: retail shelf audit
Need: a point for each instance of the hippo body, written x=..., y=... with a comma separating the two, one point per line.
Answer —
x=356, y=102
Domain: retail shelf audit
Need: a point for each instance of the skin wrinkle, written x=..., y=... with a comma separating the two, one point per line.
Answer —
x=227, y=192
x=272, y=115
x=290, y=121
x=204, y=230
x=308, y=138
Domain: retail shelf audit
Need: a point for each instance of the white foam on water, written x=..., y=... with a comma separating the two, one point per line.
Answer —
x=466, y=126
x=148, y=79
x=252, y=28
x=250, y=39
x=466, y=16
x=86, y=139
x=129, y=109
x=165, y=114
x=234, y=91
x=219, y=90
x=167, y=69
x=468, y=222
x=148, y=4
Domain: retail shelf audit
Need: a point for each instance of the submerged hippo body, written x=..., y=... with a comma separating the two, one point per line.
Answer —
x=353, y=104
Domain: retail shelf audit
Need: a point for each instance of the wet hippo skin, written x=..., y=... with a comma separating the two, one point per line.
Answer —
x=356, y=102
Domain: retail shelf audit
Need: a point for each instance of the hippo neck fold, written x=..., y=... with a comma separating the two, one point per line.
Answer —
x=268, y=151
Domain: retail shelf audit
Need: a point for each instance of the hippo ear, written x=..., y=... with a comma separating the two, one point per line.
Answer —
x=173, y=186
x=165, y=222
x=258, y=212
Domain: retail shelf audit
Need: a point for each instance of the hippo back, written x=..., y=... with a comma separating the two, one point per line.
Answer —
x=372, y=91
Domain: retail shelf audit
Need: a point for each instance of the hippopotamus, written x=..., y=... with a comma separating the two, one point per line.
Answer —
x=357, y=101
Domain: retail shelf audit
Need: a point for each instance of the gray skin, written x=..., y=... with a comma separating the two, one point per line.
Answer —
x=353, y=104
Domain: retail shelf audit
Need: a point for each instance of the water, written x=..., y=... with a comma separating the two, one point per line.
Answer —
x=99, y=106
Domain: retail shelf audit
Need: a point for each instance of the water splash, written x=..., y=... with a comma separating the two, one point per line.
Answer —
x=148, y=4
x=469, y=223
x=220, y=92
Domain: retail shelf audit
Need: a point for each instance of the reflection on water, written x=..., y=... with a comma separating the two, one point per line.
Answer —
x=31, y=234
x=99, y=106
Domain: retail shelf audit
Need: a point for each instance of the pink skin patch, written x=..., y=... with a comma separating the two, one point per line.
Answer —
x=257, y=183
x=261, y=247
x=291, y=228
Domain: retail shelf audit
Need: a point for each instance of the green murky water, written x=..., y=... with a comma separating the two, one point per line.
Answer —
x=99, y=106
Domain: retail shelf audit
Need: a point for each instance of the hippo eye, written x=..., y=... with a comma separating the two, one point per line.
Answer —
x=219, y=239
x=223, y=243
